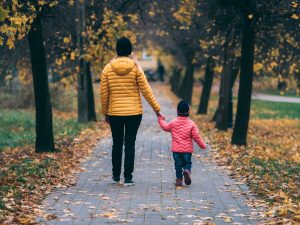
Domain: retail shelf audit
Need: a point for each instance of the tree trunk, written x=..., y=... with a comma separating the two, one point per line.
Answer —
x=222, y=115
x=44, y=130
x=172, y=79
x=186, y=90
x=90, y=95
x=86, y=106
x=235, y=71
x=225, y=59
x=175, y=80
x=208, y=81
x=224, y=109
x=239, y=136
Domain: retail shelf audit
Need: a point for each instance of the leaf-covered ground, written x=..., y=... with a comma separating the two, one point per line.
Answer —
x=27, y=177
x=270, y=164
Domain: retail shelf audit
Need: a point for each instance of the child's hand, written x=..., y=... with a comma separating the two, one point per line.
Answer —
x=208, y=148
x=159, y=115
x=162, y=117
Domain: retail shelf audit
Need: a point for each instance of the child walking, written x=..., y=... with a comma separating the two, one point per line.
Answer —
x=183, y=131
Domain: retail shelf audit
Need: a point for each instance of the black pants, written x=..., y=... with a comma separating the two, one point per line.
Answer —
x=124, y=129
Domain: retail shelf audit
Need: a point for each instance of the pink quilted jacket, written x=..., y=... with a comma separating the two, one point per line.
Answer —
x=183, y=131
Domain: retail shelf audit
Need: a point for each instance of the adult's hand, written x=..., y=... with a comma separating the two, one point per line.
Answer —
x=158, y=114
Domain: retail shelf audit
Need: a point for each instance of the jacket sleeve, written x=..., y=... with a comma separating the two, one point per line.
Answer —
x=197, y=138
x=146, y=90
x=104, y=92
x=164, y=125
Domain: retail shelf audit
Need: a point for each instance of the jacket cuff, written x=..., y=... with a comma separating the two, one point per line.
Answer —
x=156, y=108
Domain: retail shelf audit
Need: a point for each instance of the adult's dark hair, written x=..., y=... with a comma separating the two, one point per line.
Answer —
x=123, y=46
x=183, y=108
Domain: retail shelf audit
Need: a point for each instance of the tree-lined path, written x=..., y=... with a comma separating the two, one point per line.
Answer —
x=275, y=98
x=212, y=197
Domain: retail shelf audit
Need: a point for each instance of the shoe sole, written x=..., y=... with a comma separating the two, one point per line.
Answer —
x=115, y=182
x=128, y=184
x=187, y=178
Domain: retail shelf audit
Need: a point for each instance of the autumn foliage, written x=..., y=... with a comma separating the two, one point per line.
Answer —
x=216, y=41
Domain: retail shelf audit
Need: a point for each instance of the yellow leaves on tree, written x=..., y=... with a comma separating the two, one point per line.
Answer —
x=3, y=14
x=257, y=67
x=185, y=12
x=18, y=18
x=41, y=2
x=24, y=75
x=295, y=16
x=72, y=56
x=218, y=69
x=294, y=4
x=58, y=62
x=204, y=44
x=71, y=2
x=250, y=16
x=151, y=13
x=67, y=40
x=101, y=50
x=133, y=18
x=10, y=43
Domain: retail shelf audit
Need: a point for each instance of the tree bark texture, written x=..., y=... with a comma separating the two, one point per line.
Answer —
x=239, y=136
x=207, y=85
x=44, y=128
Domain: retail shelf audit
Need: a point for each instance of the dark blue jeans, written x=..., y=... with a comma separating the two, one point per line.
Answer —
x=182, y=161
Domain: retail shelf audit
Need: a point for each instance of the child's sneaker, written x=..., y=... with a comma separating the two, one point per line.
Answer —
x=187, y=177
x=178, y=182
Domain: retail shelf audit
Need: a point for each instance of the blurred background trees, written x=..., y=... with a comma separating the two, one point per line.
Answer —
x=68, y=42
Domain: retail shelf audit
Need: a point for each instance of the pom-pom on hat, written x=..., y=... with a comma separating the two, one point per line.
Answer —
x=123, y=46
x=183, y=108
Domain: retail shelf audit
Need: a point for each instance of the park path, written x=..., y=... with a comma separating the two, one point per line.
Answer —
x=275, y=98
x=212, y=198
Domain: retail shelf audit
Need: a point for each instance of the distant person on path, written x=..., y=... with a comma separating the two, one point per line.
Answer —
x=122, y=80
x=183, y=131
x=161, y=71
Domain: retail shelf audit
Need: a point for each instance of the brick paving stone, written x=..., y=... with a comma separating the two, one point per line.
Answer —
x=94, y=200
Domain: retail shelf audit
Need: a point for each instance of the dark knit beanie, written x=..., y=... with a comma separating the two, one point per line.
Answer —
x=123, y=47
x=183, y=108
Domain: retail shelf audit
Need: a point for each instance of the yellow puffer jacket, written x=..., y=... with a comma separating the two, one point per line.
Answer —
x=121, y=83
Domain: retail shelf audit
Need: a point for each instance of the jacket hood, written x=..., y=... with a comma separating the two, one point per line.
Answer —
x=122, y=65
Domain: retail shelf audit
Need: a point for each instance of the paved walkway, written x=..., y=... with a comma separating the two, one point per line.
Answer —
x=275, y=98
x=212, y=198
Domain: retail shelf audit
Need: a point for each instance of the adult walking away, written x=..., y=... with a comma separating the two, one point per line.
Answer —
x=161, y=71
x=122, y=80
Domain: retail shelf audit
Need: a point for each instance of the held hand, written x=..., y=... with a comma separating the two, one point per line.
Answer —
x=158, y=114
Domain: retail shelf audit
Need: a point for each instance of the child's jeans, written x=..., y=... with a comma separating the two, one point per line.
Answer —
x=182, y=161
